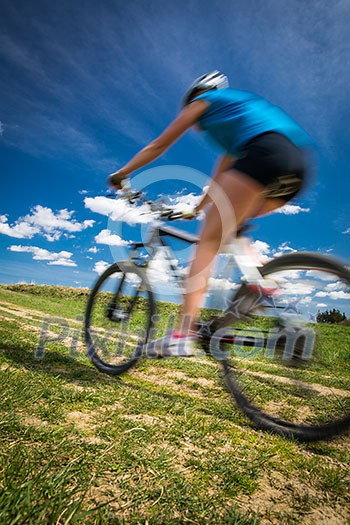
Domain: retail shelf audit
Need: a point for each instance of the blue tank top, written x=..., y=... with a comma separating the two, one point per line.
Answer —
x=235, y=117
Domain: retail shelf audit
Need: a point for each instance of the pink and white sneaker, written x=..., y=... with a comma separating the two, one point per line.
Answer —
x=173, y=344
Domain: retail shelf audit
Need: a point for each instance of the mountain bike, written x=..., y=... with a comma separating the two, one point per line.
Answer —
x=288, y=373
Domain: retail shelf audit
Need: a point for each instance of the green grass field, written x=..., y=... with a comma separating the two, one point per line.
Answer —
x=163, y=444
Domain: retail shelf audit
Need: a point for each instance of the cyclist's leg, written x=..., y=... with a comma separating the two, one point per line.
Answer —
x=268, y=206
x=236, y=198
x=266, y=159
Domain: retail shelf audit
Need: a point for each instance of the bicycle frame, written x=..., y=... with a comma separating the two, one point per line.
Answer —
x=239, y=248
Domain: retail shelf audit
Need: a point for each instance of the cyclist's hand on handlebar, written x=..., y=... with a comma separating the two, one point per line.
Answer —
x=117, y=180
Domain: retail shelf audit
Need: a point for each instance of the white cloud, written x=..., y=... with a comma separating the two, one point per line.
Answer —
x=158, y=270
x=184, y=203
x=321, y=305
x=339, y=285
x=94, y=249
x=20, y=230
x=339, y=295
x=62, y=261
x=262, y=249
x=334, y=295
x=48, y=221
x=107, y=237
x=101, y=266
x=292, y=209
x=62, y=258
x=1, y=129
x=287, y=275
x=43, y=221
x=283, y=248
x=297, y=288
x=346, y=231
x=306, y=300
x=221, y=284
x=322, y=276
x=120, y=210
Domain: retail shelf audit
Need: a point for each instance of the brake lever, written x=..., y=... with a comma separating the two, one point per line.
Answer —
x=166, y=214
x=133, y=196
x=175, y=216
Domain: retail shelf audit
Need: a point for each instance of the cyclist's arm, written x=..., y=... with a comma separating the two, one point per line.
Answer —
x=187, y=118
x=225, y=162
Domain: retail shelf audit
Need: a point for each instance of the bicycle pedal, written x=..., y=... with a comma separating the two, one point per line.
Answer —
x=119, y=315
x=268, y=289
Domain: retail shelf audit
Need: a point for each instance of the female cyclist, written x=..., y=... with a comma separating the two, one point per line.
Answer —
x=262, y=168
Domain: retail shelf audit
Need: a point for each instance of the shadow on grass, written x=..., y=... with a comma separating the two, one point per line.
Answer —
x=73, y=370
x=53, y=363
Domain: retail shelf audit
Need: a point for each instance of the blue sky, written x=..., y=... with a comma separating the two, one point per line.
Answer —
x=84, y=85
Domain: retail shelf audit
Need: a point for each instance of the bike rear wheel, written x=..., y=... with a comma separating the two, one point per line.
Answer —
x=118, y=318
x=287, y=372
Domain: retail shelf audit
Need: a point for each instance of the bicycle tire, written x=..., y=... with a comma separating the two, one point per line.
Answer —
x=260, y=417
x=95, y=350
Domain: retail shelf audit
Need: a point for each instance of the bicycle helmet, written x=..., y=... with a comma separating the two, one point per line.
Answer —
x=214, y=80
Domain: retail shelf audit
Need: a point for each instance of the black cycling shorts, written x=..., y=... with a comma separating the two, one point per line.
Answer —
x=275, y=162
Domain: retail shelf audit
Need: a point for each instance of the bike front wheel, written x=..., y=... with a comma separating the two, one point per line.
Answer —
x=119, y=318
x=286, y=355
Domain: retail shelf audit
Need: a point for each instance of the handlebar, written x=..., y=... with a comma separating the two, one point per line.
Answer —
x=171, y=215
